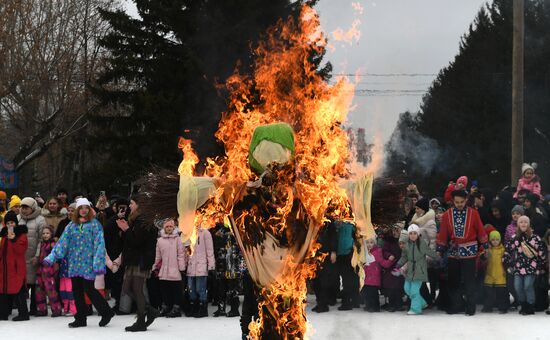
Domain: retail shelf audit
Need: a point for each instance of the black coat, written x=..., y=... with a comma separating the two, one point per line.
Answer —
x=113, y=238
x=328, y=238
x=139, y=245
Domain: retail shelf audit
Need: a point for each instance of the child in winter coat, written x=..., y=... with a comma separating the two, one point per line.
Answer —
x=496, y=293
x=525, y=256
x=374, y=262
x=529, y=180
x=13, y=246
x=199, y=264
x=517, y=212
x=393, y=285
x=46, y=277
x=414, y=255
x=170, y=261
x=83, y=245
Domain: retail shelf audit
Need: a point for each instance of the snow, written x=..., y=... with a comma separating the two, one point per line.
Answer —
x=348, y=325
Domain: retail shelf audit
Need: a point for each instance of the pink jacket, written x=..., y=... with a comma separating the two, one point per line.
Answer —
x=202, y=259
x=532, y=185
x=373, y=271
x=510, y=231
x=171, y=256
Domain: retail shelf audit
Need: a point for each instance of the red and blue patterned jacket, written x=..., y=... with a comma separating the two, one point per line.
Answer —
x=461, y=232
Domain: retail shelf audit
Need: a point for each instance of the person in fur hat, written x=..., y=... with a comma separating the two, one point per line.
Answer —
x=13, y=246
x=529, y=180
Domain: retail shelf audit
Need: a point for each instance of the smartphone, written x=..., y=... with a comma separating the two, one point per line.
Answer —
x=102, y=193
x=121, y=212
x=10, y=230
x=37, y=194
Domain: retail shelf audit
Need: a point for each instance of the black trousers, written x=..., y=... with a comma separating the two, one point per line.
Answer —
x=171, y=292
x=350, y=279
x=250, y=304
x=462, y=278
x=324, y=282
x=113, y=282
x=81, y=286
x=372, y=299
x=32, y=307
x=395, y=297
x=227, y=291
x=8, y=300
x=496, y=297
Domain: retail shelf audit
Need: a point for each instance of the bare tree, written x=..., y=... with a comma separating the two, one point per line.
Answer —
x=49, y=56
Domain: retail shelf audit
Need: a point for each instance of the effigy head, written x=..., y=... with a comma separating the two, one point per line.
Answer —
x=273, y=143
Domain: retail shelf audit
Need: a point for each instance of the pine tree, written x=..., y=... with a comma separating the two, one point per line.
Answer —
x=467, y=110
x=164, y=73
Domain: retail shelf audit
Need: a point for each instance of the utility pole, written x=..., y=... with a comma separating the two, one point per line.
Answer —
x=517, y=91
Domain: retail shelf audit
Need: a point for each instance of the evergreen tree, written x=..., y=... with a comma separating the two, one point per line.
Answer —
x=163, y=77
x=466, y=113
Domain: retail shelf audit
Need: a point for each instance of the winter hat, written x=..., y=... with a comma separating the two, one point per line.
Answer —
x=29, y=202
x=14, y=201
x=527, y=166
x=3, y=195
x=518, y=209
x=10, y=216
x=404, y=237
x=423, y=204
x=462, y=180
x=413, y=228
x=435, y=200
x=50, y=228
x=494, y=235
x=82, y=201
x=524, y=218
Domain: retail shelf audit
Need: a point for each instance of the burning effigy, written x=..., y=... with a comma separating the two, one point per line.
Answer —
x=287, y=161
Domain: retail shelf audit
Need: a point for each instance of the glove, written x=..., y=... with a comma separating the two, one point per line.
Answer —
x=396, y=272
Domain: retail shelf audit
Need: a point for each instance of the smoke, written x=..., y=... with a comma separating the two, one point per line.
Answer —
x=418, y=154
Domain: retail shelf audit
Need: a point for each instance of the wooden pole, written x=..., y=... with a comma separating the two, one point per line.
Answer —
x=517, y=91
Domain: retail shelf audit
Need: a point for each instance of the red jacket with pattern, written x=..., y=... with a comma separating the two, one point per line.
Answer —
x=461, y=232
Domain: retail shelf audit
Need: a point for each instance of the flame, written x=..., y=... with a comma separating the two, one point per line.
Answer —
x=357, y=7
x=285, y=86
x=190, y=158
x=353, y=34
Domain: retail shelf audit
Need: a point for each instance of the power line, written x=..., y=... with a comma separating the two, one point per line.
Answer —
x=386, y=74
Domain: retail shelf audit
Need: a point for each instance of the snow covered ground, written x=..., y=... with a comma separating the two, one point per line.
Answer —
x=350, y=325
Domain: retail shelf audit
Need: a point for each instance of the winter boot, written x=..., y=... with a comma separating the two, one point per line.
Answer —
x=138, y=326
x=522, y=308
x=175, y=312
x=192, y=309
x=105, y=319
x=21, y=317
x=151, y=313
x=164, y=311
x=234, y=308
x=202, y=310
x=221, y=309
x=77, y=323
x=530, y=309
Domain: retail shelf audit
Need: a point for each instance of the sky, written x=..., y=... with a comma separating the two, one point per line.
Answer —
x=412, y=38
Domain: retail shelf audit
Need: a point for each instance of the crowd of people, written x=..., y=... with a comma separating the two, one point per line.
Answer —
x=468, y=248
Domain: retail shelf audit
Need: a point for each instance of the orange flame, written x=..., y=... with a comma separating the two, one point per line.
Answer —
x=353, y=34
x=190, y=158
x=286, y=86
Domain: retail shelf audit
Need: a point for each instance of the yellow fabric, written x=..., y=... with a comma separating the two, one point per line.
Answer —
x=193, y=193
x=360, y=195
x=495, y=275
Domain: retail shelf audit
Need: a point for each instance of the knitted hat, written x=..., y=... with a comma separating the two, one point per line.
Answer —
x=404, y=237
x=82, y=201
x=524, y=218
x=462, y=180
x=527, y=166
x=423, y=204
x=14, y=201
x=29, y=202
x=435, y=200
x=518, y=209
x=3, y=195
x=494, y=235
x=10, y=216
x=413, y=228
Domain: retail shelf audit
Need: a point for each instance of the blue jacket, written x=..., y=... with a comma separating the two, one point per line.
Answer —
x=83, y=248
